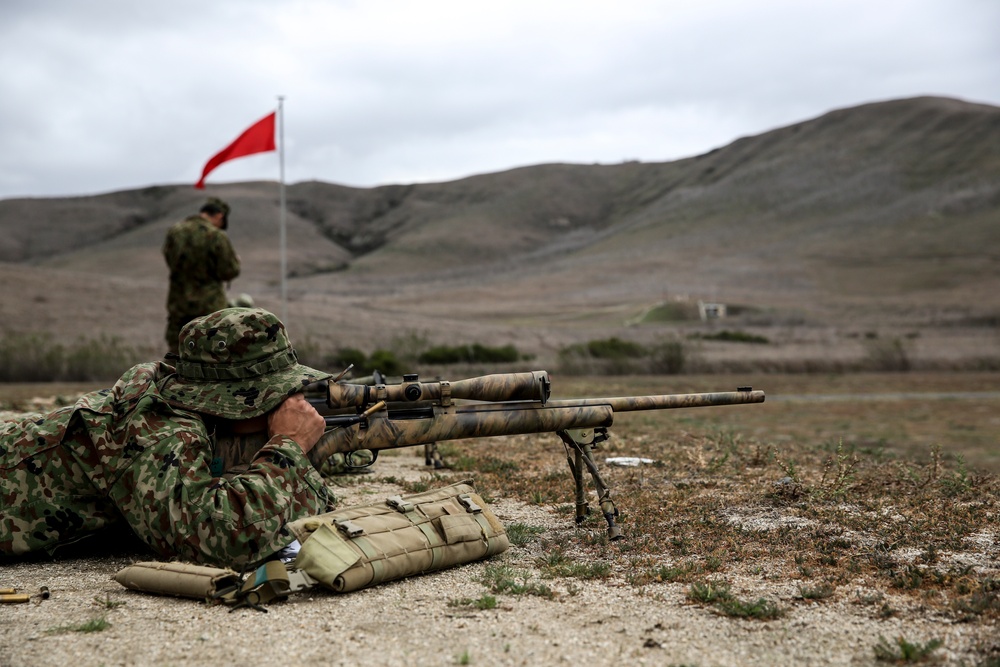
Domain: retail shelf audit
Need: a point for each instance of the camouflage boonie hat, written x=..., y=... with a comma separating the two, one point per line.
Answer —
x=236, y=363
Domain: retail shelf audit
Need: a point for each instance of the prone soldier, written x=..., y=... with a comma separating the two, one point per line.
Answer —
x=141, y=454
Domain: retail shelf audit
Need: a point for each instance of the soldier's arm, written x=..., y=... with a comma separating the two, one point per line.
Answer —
x=297, y=419
x=169, y=250
x=227, y=262
x=174, y=503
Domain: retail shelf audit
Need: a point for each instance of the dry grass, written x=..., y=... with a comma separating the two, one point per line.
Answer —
x=839, y=516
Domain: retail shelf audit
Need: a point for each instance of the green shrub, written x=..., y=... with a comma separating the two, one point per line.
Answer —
x=100, y=359
x=671, y=312
x=887, y=355
x=445, y=354
x=727, y=336
x=615, y=348
x=614, y=356
x=905, y=651
x=38, y=358
x=760, y=608
x=513, y=581
x=346, y=356
x=386, y=362
x=520, y=534
x=30, y=358
x=668, y=358
x=469, y=354
x=495, y=355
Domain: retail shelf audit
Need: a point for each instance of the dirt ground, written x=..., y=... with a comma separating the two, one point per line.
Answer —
x=415, y=621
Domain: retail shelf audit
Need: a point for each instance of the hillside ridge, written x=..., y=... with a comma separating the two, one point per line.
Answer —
x=888, y=207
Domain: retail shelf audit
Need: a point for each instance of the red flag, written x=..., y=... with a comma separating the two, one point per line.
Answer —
x=258, y=138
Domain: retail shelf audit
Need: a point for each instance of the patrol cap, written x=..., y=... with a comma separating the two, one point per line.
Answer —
x=216, y=205
x=236, y=363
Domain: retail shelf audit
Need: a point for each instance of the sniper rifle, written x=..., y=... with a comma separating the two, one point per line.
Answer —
x=386, y=416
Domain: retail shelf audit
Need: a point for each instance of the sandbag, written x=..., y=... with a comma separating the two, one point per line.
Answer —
x=357, y=547
x=178, y=579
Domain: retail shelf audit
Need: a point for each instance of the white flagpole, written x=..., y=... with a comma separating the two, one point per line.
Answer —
x=281, y=205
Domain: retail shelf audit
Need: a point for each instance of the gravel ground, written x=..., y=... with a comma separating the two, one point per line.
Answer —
x=411, y=622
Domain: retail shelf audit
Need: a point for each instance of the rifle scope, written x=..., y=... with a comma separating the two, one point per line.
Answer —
x=528, y=386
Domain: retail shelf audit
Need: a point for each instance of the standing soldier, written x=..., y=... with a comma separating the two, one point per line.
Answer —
x=201, y=259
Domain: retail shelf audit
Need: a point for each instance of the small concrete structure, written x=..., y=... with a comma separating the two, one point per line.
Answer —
x=711, y=311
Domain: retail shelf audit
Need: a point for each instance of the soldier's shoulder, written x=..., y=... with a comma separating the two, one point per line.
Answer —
x=181, y=227
x=186, y=222
x=190, y=222
x=139, y=380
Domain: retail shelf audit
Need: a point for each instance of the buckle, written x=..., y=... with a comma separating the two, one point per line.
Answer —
x=397, y=503
x=349, y=528
x=469, y=504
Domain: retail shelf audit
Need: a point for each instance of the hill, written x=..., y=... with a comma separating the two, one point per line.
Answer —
x=874, y=220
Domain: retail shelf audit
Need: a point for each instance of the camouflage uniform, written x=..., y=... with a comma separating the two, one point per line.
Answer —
x=141, y=453
x=201, y=259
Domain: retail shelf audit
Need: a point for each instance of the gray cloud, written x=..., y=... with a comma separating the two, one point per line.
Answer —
x=111, y=95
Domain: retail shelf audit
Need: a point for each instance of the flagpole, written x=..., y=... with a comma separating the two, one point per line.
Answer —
x=281, y=205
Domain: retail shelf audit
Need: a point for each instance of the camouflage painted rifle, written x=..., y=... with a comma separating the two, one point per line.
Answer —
x=386, y=416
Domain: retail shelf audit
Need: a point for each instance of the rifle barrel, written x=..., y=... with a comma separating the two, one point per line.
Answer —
x=667, y=401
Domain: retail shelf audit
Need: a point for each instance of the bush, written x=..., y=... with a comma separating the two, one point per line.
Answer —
x=615, y=348
x=671, y=312
x=888, y=355
x=346, y=356
x=101, y=359
x=384, y=361
x=614, y=356
x=30, y=358
x=469, y=354
x=733, y=337
x=668, y=358
x=38, y=358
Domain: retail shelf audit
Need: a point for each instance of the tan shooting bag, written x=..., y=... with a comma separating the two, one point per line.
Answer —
x=362, y=546
x=350, y=549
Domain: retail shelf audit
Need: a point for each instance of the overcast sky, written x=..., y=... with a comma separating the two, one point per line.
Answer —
x=109, y=95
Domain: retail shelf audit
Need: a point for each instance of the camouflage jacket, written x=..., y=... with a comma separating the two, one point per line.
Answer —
x=201, y=259
x=125, y=455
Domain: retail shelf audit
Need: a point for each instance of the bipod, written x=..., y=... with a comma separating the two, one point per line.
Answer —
x=432, y=456
x=579, y=444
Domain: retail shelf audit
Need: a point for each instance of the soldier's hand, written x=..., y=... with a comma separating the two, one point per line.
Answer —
x=297, y=419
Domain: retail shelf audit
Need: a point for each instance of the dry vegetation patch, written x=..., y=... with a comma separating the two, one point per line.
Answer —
x=836, y=520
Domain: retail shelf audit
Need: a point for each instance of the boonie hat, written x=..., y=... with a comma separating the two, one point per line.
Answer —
x=236, y=363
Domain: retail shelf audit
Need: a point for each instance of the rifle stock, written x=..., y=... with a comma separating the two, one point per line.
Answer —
x=387, y=416
x=382, y=431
